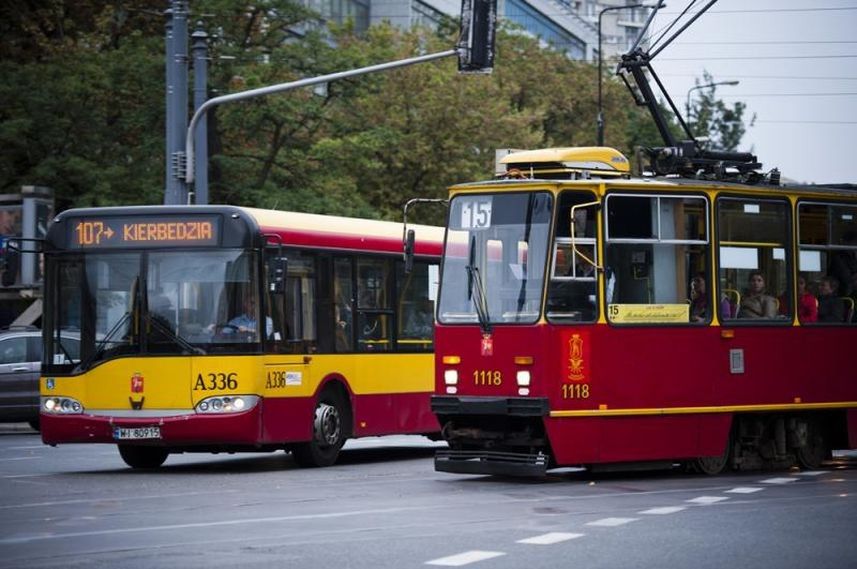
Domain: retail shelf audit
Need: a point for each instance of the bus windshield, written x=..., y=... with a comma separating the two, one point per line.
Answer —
x=158, y=302
x=494, y=258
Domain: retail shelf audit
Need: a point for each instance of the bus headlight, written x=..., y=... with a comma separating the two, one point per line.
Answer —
x=227, y=404
x=61, y=406
x=523, y=378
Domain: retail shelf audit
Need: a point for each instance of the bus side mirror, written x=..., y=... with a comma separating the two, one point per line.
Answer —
x=277, y=270
x=409, y=251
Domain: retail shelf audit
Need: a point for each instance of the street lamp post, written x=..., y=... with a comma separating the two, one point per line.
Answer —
x=706, y=86
x=600, y=119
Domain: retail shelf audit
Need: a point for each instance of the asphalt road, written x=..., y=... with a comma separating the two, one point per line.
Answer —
x=385, y=507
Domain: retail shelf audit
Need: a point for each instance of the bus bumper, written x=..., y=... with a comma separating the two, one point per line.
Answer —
x=177, y=430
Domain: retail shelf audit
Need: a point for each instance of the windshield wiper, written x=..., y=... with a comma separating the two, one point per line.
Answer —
x=479, y=298
x=100, y=347
x=184, y=344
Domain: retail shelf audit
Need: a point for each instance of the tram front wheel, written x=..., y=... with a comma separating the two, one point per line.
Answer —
x=329, y=431
x=815, y=451
x=712, y=465
x=143, y=457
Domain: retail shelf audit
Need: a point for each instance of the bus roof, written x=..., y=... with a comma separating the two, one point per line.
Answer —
x=328, y=231
x=137, y=226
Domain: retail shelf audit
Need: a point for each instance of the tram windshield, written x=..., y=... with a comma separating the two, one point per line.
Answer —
x=495, y=258
x=157, y=302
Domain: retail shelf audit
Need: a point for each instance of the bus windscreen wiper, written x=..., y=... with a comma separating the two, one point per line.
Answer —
x=168, y=332
x=102, y=344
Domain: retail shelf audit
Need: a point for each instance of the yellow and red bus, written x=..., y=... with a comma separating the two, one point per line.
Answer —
x=166, y=301
x=589, y=318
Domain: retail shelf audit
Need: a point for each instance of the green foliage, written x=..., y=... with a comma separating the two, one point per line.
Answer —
x=82, y=107
x=711, y=118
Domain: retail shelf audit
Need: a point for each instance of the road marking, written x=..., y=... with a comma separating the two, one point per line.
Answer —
x=810, y=473
x=115, y=531
x=19, y=458
x=102, y=501
x=550, y=538
x=612, y=522
x=706, y=500
x=744, y=490
x=39, y=447
x=664, y=510
x=465, y=558
x=778, y=480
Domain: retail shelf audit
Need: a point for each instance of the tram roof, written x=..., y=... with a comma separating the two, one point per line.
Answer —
x=847, y=191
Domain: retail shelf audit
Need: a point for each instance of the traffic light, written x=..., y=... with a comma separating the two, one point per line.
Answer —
x=476, y=46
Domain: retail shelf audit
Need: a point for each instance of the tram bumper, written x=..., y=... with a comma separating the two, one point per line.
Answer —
x=492, y=435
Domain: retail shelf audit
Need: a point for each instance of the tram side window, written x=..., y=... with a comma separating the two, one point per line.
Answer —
x=827, y=235
x=657, y=245
x=417, y=292
x=754, y=260
x=572, y=296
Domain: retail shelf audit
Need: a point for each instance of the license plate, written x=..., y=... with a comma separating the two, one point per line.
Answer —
x=136, y=433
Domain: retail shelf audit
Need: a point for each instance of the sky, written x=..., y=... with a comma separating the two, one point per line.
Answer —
x=797, y=66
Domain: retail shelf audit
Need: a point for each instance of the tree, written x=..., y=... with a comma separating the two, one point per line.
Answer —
x=710, y=118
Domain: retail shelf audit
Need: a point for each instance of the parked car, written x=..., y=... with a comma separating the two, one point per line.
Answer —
x=20, y=366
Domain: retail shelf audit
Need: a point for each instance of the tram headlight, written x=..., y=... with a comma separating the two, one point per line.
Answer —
x=224, y=404
x=450, y=377
x=61, y=406
x=523, y=378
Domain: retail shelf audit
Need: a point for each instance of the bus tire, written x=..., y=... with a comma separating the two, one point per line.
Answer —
x=143, y=457
x=329, y=431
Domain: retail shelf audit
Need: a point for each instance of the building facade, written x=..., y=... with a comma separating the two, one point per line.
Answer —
x=570, y=26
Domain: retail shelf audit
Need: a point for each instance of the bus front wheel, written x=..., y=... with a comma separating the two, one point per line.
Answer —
x=143, y=457
x=328, y=433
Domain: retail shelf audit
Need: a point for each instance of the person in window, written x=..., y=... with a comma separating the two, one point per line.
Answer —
x=807, y=305
x=699, y=301
x=246, y=321
x=830, y=307
x=420, y=323
x=843, y=264
x=756, y=303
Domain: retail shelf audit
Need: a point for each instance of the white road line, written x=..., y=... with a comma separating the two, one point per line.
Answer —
x=117, y=499
x=465, y=558
x=778, y=480
x=706, y=500
x=115, y=531
x=20, y=458
x=612, y=522
x=811, y=473
x=550, y=538
x=39, y=447
x=743, y=490
x=663, y=510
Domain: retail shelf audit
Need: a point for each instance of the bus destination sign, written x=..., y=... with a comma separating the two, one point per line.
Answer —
x=144, y=231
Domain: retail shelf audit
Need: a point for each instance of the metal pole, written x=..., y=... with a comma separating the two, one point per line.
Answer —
x=180, y=55
x=200, y=112
x=200, y=94
x=169, y=179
